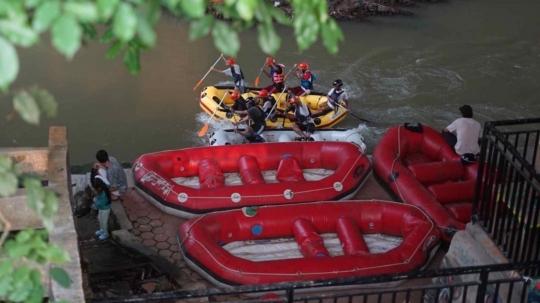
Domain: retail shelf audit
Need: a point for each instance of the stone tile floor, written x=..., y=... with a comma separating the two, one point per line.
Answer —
x=152, y=227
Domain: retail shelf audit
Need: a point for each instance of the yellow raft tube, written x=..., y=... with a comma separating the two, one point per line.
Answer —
x=211, y=96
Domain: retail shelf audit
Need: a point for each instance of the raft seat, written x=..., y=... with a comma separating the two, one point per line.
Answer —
x=210, y=174
x=310, y=243
x=289, y=170
x=453, y=192
x=350, y=236
x=250, y=172
x=437, y=172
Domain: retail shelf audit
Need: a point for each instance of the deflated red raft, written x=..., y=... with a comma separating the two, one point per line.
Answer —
x=423, y=170
x=195, y=181
x=202, y=241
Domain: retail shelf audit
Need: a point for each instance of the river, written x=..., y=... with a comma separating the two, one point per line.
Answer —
x=419, y=68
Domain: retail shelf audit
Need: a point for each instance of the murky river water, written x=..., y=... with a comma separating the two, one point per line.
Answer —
x=399, y=69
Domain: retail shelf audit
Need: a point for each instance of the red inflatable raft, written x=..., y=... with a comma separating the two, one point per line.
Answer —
x=421, y=169
x=195, y=181
x=329, y=240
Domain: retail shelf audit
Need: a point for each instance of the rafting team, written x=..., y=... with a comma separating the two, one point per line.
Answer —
x=263, y=106
x=462, y=135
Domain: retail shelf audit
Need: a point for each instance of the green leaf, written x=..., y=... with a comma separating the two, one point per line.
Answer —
x=34, y=194
x=24, y=236
x=66, y=35
x=89, y=30
x=21, y=279
x=32, y=3
x=17, y=250
x=6, y=267
x=108, y=36
x=84, y=11
x=246, y=8
x=60, y=276
x=6, y=163
x=27, y=107
x=332, y=35
x=137, y=42
x=18, y=33
x=279, y=16
x=5, y=285
x=37, y=292
x=125, y=22
x=131, y=60
x=8, y=184
x=194, y=8
x=269, y=41
x=171, y=4
x=45, y=101
x=200, y=27
x=225, y=39
x=54, y=253
x=115, y=49
x=107, y=7
x=45, y=14
x=9, y=63
x=51, y=204
x=146, y=32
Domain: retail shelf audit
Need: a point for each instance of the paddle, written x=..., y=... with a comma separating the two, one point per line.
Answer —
x=257, y=79
x=367, y=121
x=209, y=70
x=203, y=130
x=277, y=101
x=285, y=78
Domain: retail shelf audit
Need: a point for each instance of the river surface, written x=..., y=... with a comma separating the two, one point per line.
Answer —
x=485, y=53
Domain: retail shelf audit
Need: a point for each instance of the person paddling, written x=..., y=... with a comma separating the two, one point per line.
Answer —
x=235, y=72
x=304, y=121
x=238, y=106
x=336, y=95
x=276, y=74
x=306, y=80
x=257, y=116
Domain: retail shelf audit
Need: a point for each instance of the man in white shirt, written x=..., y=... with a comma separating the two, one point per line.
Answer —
x=336, y=96
x=235, y=72
x=467, y=133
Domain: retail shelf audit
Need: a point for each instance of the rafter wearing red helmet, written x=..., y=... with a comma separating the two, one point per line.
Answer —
x=235, y=72
x=306, y=80
x=277, y=75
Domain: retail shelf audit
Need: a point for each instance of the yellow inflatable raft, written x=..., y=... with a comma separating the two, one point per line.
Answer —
x=211, y=96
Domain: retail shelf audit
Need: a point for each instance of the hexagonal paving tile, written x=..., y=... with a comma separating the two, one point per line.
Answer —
x=141, y=212
x=161, y=238
x=172, y=240
x=143, y=220
x=171, y=232
x=143, y=205
x=175, y=256
x=136, y=232
x=165, y=253
x=133, y=217
x=174, y=247
x=154, y=214
x=144, y=227
x=149, y=242
x=158, y=230
x=163, y=245
x=147, y=235
x=156, y=223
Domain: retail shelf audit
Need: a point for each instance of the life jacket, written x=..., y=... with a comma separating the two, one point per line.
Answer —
x=335, y=95
x=277, y=78
x=302, y=118
x=307, y=84
x=237, y=77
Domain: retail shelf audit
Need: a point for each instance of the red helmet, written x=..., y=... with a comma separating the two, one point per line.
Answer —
x=270, y=61
x=303, y=65
x=263, y=93
x=235, y=96
x=231, y=61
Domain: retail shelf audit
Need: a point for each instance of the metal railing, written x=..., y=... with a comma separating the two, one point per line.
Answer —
x=491, y=283
x=508, y=188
